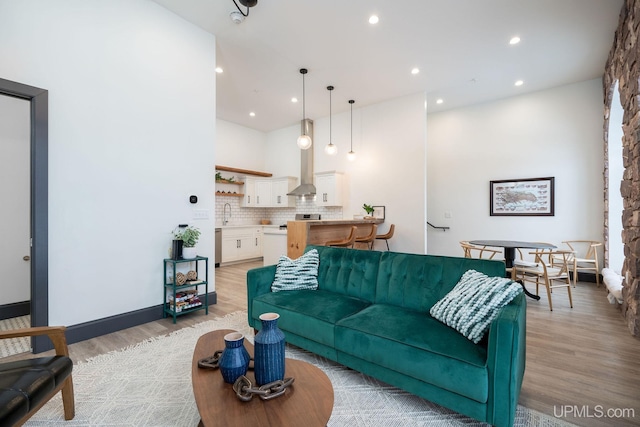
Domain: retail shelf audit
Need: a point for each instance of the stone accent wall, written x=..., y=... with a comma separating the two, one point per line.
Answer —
x=623, y=65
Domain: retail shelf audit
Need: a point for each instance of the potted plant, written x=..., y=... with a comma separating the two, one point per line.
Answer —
x=368, y=209
x=190, y=236
x=184, y=242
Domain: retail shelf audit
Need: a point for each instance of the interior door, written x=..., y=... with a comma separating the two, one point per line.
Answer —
x=15, y=250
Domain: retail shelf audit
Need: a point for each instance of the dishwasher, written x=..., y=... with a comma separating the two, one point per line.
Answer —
x=218, y=247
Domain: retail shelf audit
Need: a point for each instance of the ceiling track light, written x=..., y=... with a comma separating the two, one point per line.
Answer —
x=246, y=3
x=304, y=140
x=331, y=148
x=351, y=155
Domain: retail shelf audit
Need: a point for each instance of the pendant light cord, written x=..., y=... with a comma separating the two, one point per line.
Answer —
x=330, y=90
x=351, y=101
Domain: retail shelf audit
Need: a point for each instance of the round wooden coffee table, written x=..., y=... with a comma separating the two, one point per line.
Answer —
x=307, y=402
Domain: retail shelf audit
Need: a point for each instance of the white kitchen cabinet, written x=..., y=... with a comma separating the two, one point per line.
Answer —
x=279, y=189
x=249, y=199
x=241, y=243
x=263, y=193
x=329, y=188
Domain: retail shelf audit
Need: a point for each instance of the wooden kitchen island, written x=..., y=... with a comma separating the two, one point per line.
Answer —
x=317, y=232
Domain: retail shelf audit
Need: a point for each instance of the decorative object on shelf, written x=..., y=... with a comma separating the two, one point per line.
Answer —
x=181, y=279
x=192, y=275
x=269, y=350
x=331, y=148
x=304, y=140
x=368, y=209
x=235, y=358
x=176, y=249
x=351, y=155
x=378, y=212
x=189, y=236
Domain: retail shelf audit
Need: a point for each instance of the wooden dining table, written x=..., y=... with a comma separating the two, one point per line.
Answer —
x=510, y=247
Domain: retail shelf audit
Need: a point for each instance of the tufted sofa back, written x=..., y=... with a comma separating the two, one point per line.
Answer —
x=407, y=280
x=348, y=271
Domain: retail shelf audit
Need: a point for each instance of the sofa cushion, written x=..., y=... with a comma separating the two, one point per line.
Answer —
x=311, y=314
x=414, y=344
x=348, y=272
x=474, y=302
x=296, y=274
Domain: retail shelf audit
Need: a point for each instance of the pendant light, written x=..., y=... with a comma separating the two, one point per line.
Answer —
x=304, y=140
x=351, y=155
x=331, y=148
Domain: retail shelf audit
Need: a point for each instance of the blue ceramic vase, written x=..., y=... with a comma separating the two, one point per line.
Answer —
x=269, y=350
x=235, y=358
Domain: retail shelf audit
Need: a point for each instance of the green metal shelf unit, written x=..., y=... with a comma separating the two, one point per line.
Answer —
x=172, y=289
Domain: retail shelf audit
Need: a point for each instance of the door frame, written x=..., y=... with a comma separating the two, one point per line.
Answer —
x=39, y=100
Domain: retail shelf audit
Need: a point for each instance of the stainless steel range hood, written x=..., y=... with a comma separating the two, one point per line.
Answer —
x=306, y=187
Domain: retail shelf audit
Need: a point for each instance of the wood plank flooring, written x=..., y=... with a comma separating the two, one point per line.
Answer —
x=581, y=362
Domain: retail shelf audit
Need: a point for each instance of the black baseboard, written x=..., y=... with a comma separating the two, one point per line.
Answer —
x=108, y=325
x=15, y=309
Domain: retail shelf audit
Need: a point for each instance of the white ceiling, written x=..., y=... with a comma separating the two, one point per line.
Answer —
x=460, y=46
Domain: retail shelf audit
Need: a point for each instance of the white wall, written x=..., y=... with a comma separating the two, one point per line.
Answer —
x=131, y=136
x=239, y=146
x=389, y=139
x=556, y=132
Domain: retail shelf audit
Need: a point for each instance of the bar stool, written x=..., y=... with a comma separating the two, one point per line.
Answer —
x=370, y=238
x=349, y=241
x=387, y=236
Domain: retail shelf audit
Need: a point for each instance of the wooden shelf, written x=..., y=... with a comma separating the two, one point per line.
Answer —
x=218, y=181
x=242, y=171
x=229, y=194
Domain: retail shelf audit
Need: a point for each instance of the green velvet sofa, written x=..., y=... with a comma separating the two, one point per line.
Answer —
x=371, y=313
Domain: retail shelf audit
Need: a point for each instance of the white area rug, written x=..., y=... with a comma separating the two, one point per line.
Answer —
x=13, y=346
x=149, y=384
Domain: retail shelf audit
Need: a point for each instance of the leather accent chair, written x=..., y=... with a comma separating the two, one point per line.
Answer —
x=26, y=385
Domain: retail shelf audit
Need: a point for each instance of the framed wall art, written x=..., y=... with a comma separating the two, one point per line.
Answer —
x=522, y=197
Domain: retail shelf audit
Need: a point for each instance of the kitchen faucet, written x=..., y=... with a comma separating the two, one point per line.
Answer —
x=225, y=220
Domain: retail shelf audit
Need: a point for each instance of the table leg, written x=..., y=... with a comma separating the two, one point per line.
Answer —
x=527, y=293
x=509, y=256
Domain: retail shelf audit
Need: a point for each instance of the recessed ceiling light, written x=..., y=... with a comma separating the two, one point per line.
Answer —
x=294, y=99
x=519, y=83
x=373, y=19
x=415, y=71
x=514, y=40
x=439, y=101
x=252, y=114
x=219, y=70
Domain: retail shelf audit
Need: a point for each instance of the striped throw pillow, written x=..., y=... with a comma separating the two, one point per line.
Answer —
x=474, y=302
x=301, y=273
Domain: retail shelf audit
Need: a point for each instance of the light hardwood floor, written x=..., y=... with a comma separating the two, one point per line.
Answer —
x=580, y=361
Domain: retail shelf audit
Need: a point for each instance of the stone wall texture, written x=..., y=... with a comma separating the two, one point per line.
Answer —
x=623, y=66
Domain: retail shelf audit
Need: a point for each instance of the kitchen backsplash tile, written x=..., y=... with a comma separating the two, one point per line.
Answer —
x=241, y=215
